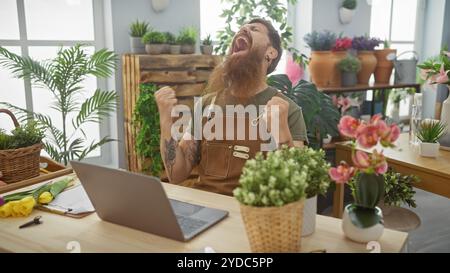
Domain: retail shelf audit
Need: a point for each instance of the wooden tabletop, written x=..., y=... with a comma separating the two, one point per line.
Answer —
x=95, y=235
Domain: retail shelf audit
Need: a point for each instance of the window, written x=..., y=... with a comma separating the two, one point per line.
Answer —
x=37, y=28
x=211, y=22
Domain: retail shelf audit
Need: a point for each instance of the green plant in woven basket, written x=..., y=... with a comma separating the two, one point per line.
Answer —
x=146, y=121
x=431, y=131
x=63, y=77
x=25, y=135
x=138, y=29
x=274, y=180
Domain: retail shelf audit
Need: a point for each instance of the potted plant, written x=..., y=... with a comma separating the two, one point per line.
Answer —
x=154, y=42
x=317, y=183
x=383, y=70
x=429, y=133
x=207, y=48
x=349, y=68
x=365, y=47
x=398, y=190
x=271, y=192
x=170, y=40
x=339, y=52
x=321, y=63
x=347, y=11
x=187, y=39
x=137, y=31
x=175, y=48
x=363, y=220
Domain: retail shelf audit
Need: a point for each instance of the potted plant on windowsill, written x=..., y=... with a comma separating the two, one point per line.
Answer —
x=349, y=68
x=187, y=39
x=207, y=48
x=321, y=64
x=347, y=11
x=137, y=31
x=363, y=220
x=365, y=47
x=271, y=192
x=154, y=42
x=429, y=133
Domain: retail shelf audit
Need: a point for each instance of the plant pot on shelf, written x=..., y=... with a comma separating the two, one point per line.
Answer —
x=348, y=79
x=429, y=149
x=206, y=49
x=368, y=65
x=358, y=232
x=309, y=216
x=346, y=15
x=136, y=45
x=274, y=229
x=175, y=49
x=187, y=49
x=166, y=49
x=383, y=70
x=336, y=73
x=154, y=49
x=321, y=67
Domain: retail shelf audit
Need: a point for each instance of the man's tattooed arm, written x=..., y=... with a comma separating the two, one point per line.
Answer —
x=180, y=158
x=170, y=154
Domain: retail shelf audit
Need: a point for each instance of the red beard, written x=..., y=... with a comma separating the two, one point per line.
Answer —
x=241, y=74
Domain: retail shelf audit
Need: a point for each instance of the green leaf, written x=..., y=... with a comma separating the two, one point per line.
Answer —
x=364, y=217
x=59, y=186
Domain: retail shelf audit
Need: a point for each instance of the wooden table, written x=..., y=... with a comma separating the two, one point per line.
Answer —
x=95, y=235
x=433, y=172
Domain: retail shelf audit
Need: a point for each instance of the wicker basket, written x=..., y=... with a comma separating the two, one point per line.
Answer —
x=19, y=164
x=274, y=229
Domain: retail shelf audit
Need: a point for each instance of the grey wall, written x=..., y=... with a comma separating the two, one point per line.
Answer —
x=433, y=28
x=119, y=14
x=446, y=30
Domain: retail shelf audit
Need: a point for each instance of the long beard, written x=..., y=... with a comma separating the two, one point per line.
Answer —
x=239, y=74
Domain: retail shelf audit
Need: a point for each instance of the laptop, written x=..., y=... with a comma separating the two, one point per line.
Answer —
x=140, y=202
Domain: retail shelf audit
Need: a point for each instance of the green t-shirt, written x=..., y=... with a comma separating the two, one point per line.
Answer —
x=295, y=116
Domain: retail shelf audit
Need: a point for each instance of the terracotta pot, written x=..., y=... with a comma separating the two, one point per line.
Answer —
x=321, y=67
x=336, y=74
x=368, y=65
x=383, y=71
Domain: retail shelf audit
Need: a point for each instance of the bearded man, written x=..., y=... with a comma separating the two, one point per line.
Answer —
x=240, y=80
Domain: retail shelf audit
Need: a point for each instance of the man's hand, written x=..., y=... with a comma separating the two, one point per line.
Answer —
x=166, y=100
x=284, y=134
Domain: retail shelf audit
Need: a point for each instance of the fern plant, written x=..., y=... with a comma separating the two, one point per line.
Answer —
x=63, y=77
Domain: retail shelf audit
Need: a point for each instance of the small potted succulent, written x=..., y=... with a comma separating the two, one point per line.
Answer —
x=347, y=11
x=365, y=47
x=170, y=40
x=187, y=39
x=321, y=64
x=207, y=48
x=137, y=31
x=271, y=192
x=349, y=68
x=429, y=133
x=154, y=42
x=363, y=220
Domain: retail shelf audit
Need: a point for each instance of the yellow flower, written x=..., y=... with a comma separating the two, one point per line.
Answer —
x=23, y=207
x=5, y=210
x=45, y=197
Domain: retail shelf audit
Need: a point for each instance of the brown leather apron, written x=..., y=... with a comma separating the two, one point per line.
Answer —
x=222, y=161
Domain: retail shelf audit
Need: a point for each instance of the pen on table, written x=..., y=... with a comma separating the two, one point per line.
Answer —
x=56, y=210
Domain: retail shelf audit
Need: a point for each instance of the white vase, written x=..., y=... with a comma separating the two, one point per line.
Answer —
x=346, y=15
x=429, y=149
x=309, y=216
x=361, y=235
x=445, y=118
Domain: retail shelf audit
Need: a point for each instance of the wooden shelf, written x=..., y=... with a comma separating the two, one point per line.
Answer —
x=366, y=87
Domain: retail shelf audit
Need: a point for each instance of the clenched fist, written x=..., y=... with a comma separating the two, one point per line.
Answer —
x=166, y=100
x=280, y=130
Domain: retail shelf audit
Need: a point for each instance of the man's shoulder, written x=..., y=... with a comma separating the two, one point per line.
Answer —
x=293, y=107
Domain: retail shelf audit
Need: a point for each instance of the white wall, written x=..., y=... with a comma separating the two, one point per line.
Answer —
x=433, y=28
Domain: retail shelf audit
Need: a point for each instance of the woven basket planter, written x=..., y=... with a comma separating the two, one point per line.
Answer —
x=274, y=229
x=19, y=164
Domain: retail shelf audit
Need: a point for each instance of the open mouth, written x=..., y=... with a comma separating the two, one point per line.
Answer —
x=241, y=44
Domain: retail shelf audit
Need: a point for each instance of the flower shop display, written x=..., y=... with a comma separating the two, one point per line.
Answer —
x=383, y=70
x=339, y=52
x=137, y=31
x=272, y=194
x=429, y=133
x=349, y=67
x=437, y=71
x=154, y=42
x=346, y=103
x=321, y=64
x=207, y=48
x=365, y=47
x=21, y=204
x=20, y=151
x=187, y=39
x=347, y=11
x=363, y=220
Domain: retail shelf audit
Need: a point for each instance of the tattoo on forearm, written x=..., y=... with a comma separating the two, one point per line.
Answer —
x=191, y=152
x=170, y=154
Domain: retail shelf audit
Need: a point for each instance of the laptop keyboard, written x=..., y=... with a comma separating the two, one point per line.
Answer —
x=189, y=225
